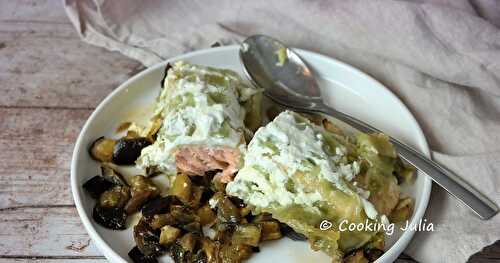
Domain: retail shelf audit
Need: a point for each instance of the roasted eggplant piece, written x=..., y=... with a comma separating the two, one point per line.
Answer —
x=111, y=175
x=137, y=257
x=169, y=234
x=199, y=257
x=126, y=151
x=247, y=234
x=159, y=205
x=287, y=231
x=233, y=253
x=237, y=201
x=188, y=241
x=227, y=211
x=148, y=239
x=141, y=189
x=193, y=227
x=97, y=185
x=206, y=215
x=178, y=254
x=270, y=230
x=102, y=149
x=116, y=197
x=161, y=220
x=136, y=202
x=210, y=248
x=181, y=187
x=183, y=215
x=110, y=217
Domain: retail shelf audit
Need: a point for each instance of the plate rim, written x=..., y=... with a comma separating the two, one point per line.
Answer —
x=113, y=256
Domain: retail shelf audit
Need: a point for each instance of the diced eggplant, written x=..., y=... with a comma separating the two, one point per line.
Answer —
x=183, y=215
x=158, y=221
x=199, y=257
x=181, y=187
x=136, y=202
x=247, y=234
x=237, y=201
x=110, y=217
x=169, y=234
x=116, y=197
x=270, y=230
x=102, y=149
x=373, y=254
x=112, y=175
x=290, y=233
x=142, y=189
x=207, y=194
x=178, y=254
x=137, y=257
x=210, y=248
x=218, y=186
x=206, y=214
x=227, y=211
x=233, y=253
x=159, y=205
x=196, y=194
x=245, y=211
x=140, y=183
x=215, y=199
x=97, y=185
x=188, y=241
x=193, y=227
x=126, y=151
x=147, y=239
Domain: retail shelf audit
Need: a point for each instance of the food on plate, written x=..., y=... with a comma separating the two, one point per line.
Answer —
x=198, y=223
x=303, y=174
x=207, y=116
x=230, y=190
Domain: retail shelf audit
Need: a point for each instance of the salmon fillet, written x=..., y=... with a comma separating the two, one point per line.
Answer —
x=196, y=160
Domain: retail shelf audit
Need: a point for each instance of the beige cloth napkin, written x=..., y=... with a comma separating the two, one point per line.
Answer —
x=441, y=57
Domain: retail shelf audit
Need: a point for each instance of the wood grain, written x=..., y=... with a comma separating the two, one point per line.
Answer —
x=43, y=232
x=36, y=150
x=53, y=260
x=50, y=81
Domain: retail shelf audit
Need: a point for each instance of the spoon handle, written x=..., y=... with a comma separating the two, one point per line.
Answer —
x=451, y=182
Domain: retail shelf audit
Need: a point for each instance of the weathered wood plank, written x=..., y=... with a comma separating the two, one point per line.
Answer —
x=35, y=149
x=53, y=260
x=42, y=232
x=46, y=64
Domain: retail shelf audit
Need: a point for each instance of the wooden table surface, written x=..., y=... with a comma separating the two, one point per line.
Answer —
x=50, y=81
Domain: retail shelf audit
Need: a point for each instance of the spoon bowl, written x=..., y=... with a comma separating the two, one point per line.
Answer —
x=280, y=71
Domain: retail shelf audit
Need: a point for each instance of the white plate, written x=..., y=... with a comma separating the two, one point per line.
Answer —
x=343, y=86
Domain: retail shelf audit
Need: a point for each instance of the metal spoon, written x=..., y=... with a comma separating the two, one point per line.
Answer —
x=288, y=81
